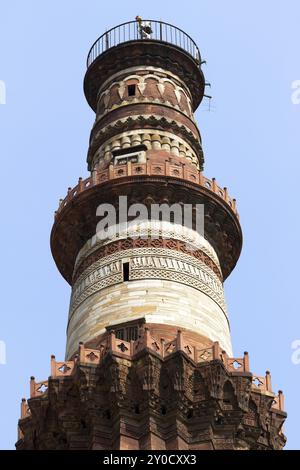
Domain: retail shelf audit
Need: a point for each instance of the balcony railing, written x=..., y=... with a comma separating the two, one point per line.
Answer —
x=130, y=349
x=148, y=169
x=143, y=30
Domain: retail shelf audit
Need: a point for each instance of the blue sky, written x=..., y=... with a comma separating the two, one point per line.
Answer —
x=251, y=141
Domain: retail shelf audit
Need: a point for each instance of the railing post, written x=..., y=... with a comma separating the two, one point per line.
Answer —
x=162, y=343
x=167, y=168
x=179, y=341
x=246, y=362
x=281, y=400
x=95, y=177
x=112, y=341
x=268, y=382
x=148, y=339
x=110, y=172
x=224, y=358
x=81, y=352
x=226, y=194
x=53, y=366
x=23, y=408
x=32, y=386
x=214, y=185
x=216, y=350
x=80, y=185
x=148, y=167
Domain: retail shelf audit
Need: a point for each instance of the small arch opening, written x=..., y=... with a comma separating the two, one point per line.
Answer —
x=131, y=90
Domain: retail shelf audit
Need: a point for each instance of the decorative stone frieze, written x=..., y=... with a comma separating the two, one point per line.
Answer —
x=151, y=388
x=152, y=140
x=155, y=86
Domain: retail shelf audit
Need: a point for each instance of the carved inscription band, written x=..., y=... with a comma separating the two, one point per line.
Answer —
x=148, y=263
x=170, y=244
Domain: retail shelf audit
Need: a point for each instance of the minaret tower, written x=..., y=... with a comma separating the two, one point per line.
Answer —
x=149, y=357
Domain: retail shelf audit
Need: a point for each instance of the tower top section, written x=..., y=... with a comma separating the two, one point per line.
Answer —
x=140, y=43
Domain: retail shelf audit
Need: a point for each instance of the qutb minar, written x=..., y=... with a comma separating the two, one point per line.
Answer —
x=149, y=362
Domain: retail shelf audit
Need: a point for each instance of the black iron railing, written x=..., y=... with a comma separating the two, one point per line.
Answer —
x=143, y=30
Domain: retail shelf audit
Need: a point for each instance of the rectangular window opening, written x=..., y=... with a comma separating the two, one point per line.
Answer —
x=131, y=90
x=125, y=272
